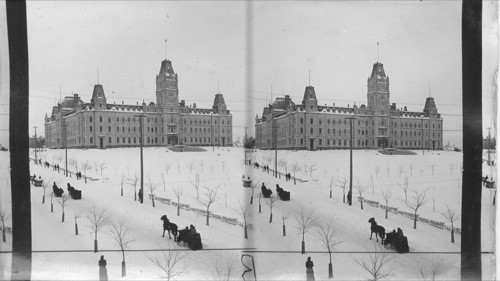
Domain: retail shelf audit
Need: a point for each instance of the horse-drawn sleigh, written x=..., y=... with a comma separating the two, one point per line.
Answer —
x=394, y=239
x=188, y=235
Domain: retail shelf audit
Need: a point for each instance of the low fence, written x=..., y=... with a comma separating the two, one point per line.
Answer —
x=437, y=224
x=186, y=207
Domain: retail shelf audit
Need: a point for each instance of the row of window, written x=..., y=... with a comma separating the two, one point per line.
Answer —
x=362, y=122
x=172, y=120
x=363, y=143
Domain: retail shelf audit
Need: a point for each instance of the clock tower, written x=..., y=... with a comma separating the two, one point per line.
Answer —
x=378, y=88
x=167, y=91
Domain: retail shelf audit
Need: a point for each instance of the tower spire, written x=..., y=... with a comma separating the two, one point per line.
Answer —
x=218, y=88
x=309, y=77
x=377, y=53
x=97, y=75
x=166, y=57
x=429, y=90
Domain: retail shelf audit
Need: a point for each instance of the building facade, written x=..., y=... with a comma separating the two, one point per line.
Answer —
x=379, y=124
x=98, y=124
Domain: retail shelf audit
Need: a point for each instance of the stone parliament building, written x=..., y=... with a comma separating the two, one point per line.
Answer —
x=98, y=124
x=286, y=125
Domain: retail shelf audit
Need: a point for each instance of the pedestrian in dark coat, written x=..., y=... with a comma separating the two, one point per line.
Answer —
x=103, y=272
x=309, y=270
x=349, y=197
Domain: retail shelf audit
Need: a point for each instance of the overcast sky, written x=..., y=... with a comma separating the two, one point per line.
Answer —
x=420, y=45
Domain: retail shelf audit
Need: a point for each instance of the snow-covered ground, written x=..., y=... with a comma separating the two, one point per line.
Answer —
x=60, y=254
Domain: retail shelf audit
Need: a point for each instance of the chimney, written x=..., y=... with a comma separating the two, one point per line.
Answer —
x=194, y=105
x=137, y=103
x=333, y=104
x=122, y=102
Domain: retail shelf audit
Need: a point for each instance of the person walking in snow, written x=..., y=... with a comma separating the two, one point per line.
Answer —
x=309, y=270
x=103, y=272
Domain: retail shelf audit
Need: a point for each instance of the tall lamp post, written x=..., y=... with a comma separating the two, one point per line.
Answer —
x=350, y=158
x=141, y=141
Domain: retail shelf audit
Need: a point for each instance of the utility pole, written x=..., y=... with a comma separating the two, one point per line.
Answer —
x=142, y=165
x=244, y=147
x=66, y=155
x=350, y=158
x=36, y=144
x=423, y=150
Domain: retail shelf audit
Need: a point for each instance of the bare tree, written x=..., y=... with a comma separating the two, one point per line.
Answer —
x=178, y=194
x=411, y=169
x=210, y=198
x=377, y=170
x=387, y=169
x=96, y=166
x=223, y=270
x=3, y=218
x=122, y=180
x=271, y=201
x=74, y=162
x=196, y=184
x=133, y=182
x=85, y=166
x=452, y=166
x=306, y=220
x=202, y=163
x=405, y=187
x=431, y=267
x=418, y=201
x=386, y=194
x=102, y=167
x=332, y=181
x=361, y=189
x=121, y=232
x=52, y=202
x=283, y=218
x=152, y=186
x=191, y=166
x=163, y=181
x=401, y=169
x=254, y=185
x=45, y=185
x=451, y=215
x=295, y=167
x=169, y=261
x=167, y=167
x=373, y=185
x=433, y=169
x=311, y=167
x=327, y=233
x=260, y=205
x=376, y=264
x=98, y=218
x=283, y=164
x=63, y=202
x=342, y=184
x=305, y=167
x=178, y=166
x=223, y=164
x=77, y=216
x=243, y=211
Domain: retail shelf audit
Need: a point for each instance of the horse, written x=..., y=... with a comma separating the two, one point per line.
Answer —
x=377, y=229
x=169, y=227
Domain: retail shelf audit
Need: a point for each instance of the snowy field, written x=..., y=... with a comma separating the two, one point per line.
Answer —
x=61, y=255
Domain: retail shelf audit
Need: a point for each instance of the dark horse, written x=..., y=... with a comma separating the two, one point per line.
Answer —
x=377, y=229
x=170, y=227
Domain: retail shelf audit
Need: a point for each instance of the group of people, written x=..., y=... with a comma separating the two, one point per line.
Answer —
x=266, y=192
x=56, y=167
x=78, y=175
